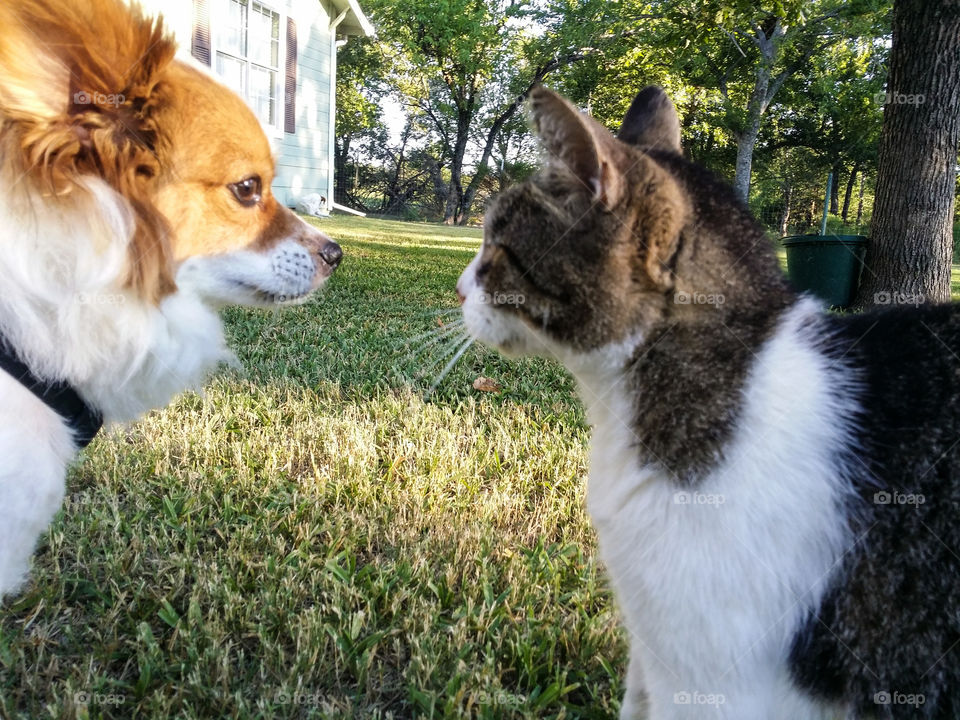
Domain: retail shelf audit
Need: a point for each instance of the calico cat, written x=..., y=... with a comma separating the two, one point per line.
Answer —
x=776, y=490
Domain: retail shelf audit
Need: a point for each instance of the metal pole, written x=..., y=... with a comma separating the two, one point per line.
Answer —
x=826, y=204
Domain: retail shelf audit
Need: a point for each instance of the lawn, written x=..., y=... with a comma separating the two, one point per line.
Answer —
x=321, y=534
x=329, y=532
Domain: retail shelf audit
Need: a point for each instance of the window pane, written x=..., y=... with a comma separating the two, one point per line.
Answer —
x=264, y=36
x=230, y=28
x=263, y=83
x=231, y=70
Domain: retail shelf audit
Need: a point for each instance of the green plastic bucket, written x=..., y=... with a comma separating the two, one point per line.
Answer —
x=828, y=266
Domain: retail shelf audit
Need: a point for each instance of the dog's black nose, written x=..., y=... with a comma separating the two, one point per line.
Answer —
x=331, y=254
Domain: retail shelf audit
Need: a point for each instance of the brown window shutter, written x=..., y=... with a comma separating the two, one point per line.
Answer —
x=200, y=42
x=290, y=88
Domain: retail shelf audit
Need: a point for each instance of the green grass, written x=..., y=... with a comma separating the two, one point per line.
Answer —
x=318, y=535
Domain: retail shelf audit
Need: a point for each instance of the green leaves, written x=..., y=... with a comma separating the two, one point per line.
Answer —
x=457, y=40
x=739, y=73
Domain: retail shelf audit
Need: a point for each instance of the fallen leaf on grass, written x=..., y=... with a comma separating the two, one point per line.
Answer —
x=485, y=384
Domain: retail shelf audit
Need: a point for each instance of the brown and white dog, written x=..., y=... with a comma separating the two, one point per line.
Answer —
x=134, y=201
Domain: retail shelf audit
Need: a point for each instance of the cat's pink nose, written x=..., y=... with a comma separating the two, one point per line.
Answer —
x=460, y=296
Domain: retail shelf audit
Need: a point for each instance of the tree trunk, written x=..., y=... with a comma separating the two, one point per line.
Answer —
x=494, y=133
x=854, y=171
x=785, y=213
x=860, y=203
x=435, y=172
x=481, y=171
x=835, y=190
x=392, y=203
x=690, y=113
x=455, y=195
x=341, y=152
x=747, y=138
x=811, y=215
x=746, y=142
x=912, y=239
x=767, y=40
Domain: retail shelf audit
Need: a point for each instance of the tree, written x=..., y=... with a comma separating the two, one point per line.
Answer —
x=450, y=49
x=831, y=109
x=749, y=84
x=468, y=65
x=747, y=54
x=361, y=86
x=912, y=240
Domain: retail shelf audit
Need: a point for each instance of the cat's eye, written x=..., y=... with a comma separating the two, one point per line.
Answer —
x=247, y=191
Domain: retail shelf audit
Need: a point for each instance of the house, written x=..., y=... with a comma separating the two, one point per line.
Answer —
x=281, y=56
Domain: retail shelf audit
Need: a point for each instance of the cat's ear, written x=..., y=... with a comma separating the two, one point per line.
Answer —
x=577, y=142
x=660, y=225
x=651, y=121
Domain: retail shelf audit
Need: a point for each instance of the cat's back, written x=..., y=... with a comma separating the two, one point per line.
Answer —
x=910, y=360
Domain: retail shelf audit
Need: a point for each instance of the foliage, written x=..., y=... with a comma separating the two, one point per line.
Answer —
x=460, y=67
x=360, y=87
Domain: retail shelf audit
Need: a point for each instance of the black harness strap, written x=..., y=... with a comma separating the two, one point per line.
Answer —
x=83, y=420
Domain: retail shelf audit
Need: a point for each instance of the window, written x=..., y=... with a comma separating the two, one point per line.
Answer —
x=247, y=45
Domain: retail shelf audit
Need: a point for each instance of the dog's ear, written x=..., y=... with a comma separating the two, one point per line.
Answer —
x=77, y=91
x=579, y=144
x=651, y=121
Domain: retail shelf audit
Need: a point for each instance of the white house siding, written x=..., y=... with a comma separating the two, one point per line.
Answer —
x=304, y=157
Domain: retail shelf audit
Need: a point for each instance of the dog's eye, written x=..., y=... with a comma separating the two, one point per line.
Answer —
x=247, y=192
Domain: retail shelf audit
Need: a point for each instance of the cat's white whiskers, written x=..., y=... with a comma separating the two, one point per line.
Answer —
x=428, y=336
x=434, y=336
x=440, y=354
x=435, y=313
x=453, y=361
x=438, y=345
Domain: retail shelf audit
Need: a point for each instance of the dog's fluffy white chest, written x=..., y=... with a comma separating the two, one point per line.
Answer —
x=35, y=447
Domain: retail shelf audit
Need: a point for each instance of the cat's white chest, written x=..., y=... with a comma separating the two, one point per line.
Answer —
x=692, y=582
x=713, y=581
